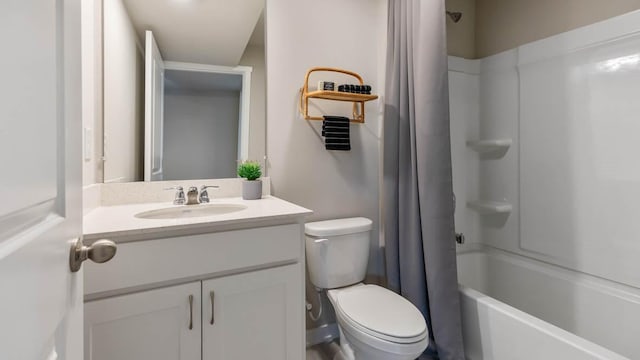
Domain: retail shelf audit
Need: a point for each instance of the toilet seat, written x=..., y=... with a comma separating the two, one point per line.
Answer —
x=379, y=313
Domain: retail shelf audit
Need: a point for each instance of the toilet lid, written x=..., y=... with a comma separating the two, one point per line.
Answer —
x=382, y=312
x=338, y=226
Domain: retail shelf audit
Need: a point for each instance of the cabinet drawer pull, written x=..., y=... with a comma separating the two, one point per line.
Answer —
x=211, y=296
x=190, y=312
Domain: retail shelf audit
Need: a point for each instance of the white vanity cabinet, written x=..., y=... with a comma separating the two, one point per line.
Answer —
x=159, y=324
x=252, y=316
x=250, y=282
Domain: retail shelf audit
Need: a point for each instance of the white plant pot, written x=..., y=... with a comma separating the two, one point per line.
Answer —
x=252, y=189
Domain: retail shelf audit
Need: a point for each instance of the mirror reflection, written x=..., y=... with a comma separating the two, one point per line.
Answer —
x=183, y=88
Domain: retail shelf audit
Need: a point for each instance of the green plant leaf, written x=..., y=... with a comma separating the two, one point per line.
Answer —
x=249, y=170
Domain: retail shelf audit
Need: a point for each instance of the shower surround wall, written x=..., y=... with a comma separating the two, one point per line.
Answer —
x=569, y=104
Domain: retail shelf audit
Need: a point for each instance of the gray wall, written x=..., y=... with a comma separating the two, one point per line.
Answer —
x=254, y=56
x=461, y=36
x=333, y=184
x=200, y=135
x=492, y=26
x=92, y=88
x=505, y=24
x=123, y=96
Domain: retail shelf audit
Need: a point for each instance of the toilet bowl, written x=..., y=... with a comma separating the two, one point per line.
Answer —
x=377, y=323
x=374, y=322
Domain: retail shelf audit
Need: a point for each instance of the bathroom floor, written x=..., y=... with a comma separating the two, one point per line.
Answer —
x=318, y=352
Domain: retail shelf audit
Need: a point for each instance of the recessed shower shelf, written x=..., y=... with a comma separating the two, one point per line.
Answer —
x=490, y=207
x=484, y=146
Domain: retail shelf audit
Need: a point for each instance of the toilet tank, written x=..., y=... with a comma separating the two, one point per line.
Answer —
x=337, y=251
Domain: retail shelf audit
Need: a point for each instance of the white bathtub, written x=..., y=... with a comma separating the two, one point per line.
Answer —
x=517, y=308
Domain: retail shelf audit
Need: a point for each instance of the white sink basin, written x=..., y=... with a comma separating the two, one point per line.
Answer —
x=190, y=211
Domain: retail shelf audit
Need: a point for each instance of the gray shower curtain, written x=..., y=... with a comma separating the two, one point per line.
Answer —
x=418, y=205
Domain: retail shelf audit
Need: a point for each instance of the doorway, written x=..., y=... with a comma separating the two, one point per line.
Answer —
x=205, y=126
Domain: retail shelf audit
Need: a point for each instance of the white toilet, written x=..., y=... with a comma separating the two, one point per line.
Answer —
x=375, y=323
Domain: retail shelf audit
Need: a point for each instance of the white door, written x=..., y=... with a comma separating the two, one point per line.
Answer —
x=255, y=315
x=162, y=324
x=40, y=180
x=153, y=109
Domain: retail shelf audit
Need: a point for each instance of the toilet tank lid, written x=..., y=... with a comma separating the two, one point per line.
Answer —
x=338, y=226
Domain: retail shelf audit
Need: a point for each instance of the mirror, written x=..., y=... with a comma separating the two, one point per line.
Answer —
x=194, y=106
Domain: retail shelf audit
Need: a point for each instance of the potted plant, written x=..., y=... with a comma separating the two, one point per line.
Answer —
x=252, y=186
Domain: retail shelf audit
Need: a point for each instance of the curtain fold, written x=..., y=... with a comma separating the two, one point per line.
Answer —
x=417, y=182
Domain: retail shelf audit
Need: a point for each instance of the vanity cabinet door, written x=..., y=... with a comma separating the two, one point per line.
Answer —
x=256, y=315
x=149, y=325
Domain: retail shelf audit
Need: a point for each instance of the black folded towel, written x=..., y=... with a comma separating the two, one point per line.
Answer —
x=340, y=130
x=339, y=135
x=334, y=130
x=333, y=117
x=344, y=147
x=336, y=141
x=342, y=124
x=335, y=124
x=335, y=121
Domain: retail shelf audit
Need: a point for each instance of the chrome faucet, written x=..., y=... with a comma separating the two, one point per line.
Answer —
x=192, y=196
x=179, y=199
x=204, y=194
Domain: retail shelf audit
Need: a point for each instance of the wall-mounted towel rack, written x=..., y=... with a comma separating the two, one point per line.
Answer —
x=357, y=99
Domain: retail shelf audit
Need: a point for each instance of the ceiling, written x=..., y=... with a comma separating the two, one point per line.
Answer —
x=214, y=32
x=194, y=81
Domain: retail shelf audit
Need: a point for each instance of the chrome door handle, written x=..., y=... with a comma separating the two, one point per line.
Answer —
x=211, y=296
x=190, y=312
x=100, y=251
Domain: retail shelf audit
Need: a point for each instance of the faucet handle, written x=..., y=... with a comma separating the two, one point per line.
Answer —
x=179, y=200
x=204, y=194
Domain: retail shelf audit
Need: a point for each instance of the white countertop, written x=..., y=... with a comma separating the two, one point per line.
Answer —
x=119, y=223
